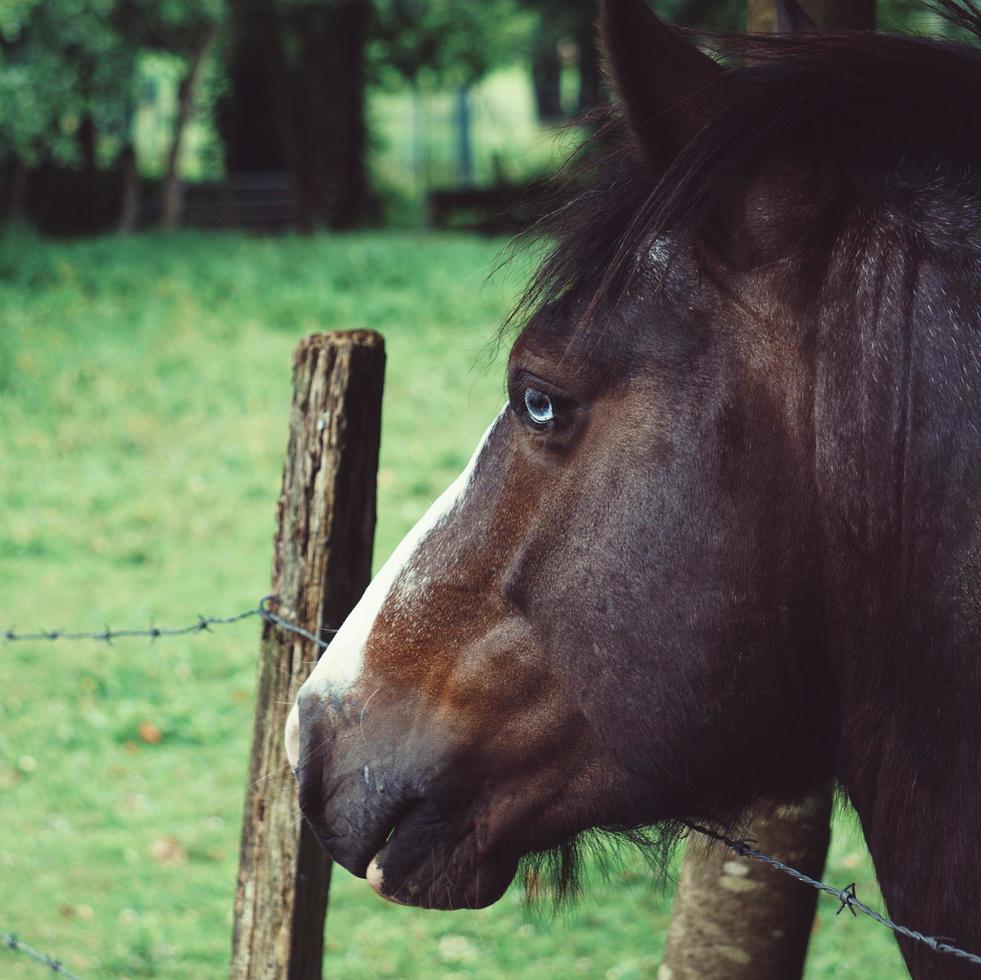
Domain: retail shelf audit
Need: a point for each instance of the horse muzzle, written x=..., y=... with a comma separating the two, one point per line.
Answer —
x=386, y=806
x=348, y=796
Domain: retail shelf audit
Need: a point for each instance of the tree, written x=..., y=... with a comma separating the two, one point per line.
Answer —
x=298, y=71
x=66, y=77
x=67, y=93
x=564, y=20
x=449, y=43
x=733, y=919
x=452, y=44
x=575, y=21
x=296, y=102
x=186, y=28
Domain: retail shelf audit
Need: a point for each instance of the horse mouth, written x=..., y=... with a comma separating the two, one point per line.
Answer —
x=432, y=863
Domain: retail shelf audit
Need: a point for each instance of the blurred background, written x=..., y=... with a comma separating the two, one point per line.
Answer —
x=187, y=187
x=301, y=114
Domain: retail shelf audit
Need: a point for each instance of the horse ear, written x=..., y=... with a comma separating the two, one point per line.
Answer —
x=667, y=86
x=793, y=19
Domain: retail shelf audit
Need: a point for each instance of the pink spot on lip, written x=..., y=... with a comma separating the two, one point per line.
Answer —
x=376, y=878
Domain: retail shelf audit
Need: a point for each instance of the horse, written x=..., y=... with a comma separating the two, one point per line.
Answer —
x=723, y=541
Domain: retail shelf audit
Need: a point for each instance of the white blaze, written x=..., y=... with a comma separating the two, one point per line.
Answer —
x=340, y=666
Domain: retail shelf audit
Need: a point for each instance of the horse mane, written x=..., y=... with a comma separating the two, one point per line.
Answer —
x=898, y=116
x=895, y=111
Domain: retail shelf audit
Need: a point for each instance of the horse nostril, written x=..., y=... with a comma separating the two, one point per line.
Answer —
x=293, y=737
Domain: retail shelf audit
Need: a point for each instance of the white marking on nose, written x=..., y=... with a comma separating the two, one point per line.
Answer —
x=293, y=736
x=341, y=664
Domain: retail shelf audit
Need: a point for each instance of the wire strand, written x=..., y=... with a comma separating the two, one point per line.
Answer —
x=13, y=943
x=202, y=625
x=846, y=896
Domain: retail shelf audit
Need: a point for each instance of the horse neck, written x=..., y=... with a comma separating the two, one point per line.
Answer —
x=898, y=475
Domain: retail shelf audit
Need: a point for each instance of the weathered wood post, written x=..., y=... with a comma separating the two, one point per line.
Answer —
x=321, y=565
x=736, y=919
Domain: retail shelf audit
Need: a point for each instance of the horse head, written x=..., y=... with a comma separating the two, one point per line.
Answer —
x=626, y=543
x=721, y=541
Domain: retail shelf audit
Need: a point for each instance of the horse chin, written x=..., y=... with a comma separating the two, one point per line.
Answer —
x=444, y=873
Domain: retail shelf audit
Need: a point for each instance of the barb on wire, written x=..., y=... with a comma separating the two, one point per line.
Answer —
x=846, y=896
x=107, y=635
x=12, y=942
x=271, y=617
x=202, y=625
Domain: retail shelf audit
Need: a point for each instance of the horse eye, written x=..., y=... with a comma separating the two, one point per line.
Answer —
x=539, y=406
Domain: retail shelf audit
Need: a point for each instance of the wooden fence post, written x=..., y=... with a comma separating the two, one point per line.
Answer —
x=321, y=565
x=736, y=919
x=733, y=918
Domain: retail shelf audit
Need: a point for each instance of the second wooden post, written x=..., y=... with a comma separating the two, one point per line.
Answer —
x=733, y=918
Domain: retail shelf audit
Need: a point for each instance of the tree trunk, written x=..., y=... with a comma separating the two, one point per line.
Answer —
x=735, y=918
x=17, y=204
x=546, y=79
x=129, y=209
x=305, y=113
x=341, y=127
x=828, y=15
x=173, y=196
x=86, y=137
x=254, y=117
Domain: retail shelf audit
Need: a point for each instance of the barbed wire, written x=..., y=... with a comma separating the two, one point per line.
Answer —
x=107, y=635
x=203, y=625
x=12, y=942
x=846, y=896
x=270, y=617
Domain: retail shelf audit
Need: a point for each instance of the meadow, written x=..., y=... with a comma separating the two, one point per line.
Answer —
x=144, y=391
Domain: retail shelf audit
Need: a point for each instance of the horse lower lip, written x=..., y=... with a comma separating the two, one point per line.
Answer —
x=380, y=842
x=411, y=869
x=374, y=873
x=376, y=878
x=354, y=852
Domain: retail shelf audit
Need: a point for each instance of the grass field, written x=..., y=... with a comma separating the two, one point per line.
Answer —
x=144, y=389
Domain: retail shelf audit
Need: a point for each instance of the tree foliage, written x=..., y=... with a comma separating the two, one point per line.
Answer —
x=62, y=62
x=447, y=42
x=67, y=68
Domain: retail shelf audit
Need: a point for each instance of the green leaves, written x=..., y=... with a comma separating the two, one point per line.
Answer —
x=448, y=42
x=65, y=61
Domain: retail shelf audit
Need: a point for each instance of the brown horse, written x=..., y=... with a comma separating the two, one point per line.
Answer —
x=724, y=539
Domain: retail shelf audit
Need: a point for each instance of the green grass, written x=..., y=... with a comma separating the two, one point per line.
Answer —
x=144, y=389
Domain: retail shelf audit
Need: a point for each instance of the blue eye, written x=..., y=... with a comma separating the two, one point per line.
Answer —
x=539, y=406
